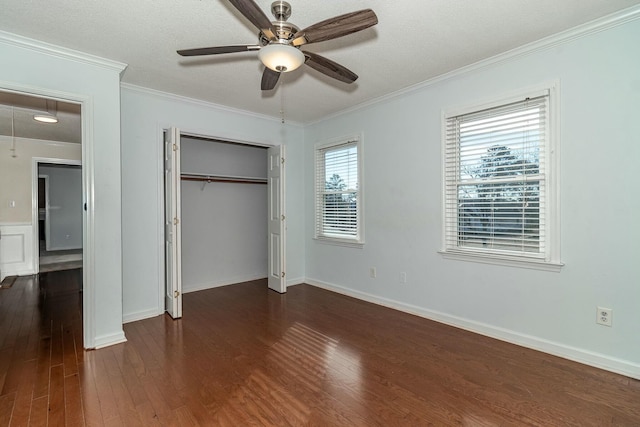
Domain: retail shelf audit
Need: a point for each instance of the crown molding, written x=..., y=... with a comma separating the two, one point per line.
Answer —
x=60, y=52
x=201, y=103
x=598, y=25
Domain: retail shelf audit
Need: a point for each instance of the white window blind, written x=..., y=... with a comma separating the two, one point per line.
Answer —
x=337, y=191
x=495, y=180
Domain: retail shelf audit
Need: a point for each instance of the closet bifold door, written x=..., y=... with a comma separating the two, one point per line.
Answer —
x=173, y=257
x=276, y=227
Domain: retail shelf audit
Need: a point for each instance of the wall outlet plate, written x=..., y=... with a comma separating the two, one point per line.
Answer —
x=604, y=316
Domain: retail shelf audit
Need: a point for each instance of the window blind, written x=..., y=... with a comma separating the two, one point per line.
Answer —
x=337, y=196
x=495, y=170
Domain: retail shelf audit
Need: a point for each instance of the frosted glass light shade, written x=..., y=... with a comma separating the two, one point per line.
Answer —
x=45, y=118
x=281, y=58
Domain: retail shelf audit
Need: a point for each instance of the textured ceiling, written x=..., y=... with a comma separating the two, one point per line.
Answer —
x=414, y=41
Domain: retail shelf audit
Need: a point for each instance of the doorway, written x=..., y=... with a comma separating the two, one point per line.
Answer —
x=32, y=145
x=59, y=216
x=226, y=199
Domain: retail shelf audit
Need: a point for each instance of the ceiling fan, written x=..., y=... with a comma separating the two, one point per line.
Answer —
x=280, y=41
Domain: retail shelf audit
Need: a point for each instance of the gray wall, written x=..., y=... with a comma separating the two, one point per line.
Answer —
x=224, y=225
x=65, y=206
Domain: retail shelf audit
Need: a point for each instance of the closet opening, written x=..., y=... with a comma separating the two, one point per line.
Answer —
x=223, y=215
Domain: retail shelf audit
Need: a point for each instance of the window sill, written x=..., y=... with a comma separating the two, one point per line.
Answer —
x=339, y=242
x=504, y=260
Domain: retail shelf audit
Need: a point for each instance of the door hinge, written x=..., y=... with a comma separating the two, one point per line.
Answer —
x=282, y=274
x=175, y=147
x=282, y=160
x=176, y=221
x=283, y=217
x=176, y=294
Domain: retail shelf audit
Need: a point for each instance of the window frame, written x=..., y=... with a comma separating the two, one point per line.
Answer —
x=319, y=149
x=549, y=259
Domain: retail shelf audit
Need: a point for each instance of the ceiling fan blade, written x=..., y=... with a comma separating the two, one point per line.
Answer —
x=269, y=79
x=217, y=50
x=329, y=68
x=336, y=27
x=256, y=16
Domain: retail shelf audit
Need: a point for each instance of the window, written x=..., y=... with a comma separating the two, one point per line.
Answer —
x=500, y=183
x=338, y=184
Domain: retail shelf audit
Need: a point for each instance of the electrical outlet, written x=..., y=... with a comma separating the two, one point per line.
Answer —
x=372, y=272
x=604, y=316
x=403, y=277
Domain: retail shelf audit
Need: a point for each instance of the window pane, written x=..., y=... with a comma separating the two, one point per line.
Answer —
x=337, y=191
x=495, y=178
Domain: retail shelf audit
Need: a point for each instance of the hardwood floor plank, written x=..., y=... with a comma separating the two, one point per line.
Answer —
x=39, y=412
x=73, y=410
x=22, y=407
x=90, y=399
x=7, y=403
x=246, y=356
x=41, y=387
x=56, y=397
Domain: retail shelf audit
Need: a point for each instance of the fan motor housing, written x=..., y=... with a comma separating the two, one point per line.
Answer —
x=285, y=31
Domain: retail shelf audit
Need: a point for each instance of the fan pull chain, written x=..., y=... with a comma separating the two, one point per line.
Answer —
x=13, y=133
x=281, y=101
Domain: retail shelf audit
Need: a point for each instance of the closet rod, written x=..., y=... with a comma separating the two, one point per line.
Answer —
x=214, y=178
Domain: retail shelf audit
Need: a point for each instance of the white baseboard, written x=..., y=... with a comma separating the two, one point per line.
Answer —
x=108, y=340
x=295, y=281
x=202, y=286
x=141, y=315
x=619, y=366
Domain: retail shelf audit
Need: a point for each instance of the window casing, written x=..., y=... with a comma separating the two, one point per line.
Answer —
x=338, y=191
x=500, y=182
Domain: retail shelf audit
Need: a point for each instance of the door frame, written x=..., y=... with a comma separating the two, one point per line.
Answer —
x=35, y=163
x=161, y=202
x=88, y=191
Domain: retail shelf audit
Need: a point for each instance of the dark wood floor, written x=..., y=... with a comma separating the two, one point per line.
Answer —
x=245, y=356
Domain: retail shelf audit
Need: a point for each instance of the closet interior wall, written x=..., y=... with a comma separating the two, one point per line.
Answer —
x=224, y=213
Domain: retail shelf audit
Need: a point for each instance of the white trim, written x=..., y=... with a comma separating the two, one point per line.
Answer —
x=359, y=240
x=295, y=281
x=141, y=315
x=200, y=103
x=211, y=285
x=35, y=161
x=601, y=24
x=598, y=360
x=61, y=52
x=552, y=260
x=160, y=190
x=109, y=340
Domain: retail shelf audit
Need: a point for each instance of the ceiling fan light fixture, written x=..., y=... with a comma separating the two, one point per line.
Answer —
x=281, y=57
x=45, y=118
x=49, y=116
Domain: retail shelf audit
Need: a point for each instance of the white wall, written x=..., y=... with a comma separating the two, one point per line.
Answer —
x=38, y=68
x=224, y=224
x=16, y=173
x=65, y=206
x=17, y=245
x=600, y=100
x=144, y=114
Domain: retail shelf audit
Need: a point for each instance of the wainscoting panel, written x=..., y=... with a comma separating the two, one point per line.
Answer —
x=16, y=250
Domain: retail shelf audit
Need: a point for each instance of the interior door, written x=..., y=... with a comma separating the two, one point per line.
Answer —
x=173, y=269
x=276, y=227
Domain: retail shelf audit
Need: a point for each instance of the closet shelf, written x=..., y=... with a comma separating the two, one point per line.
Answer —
x=221, y=178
